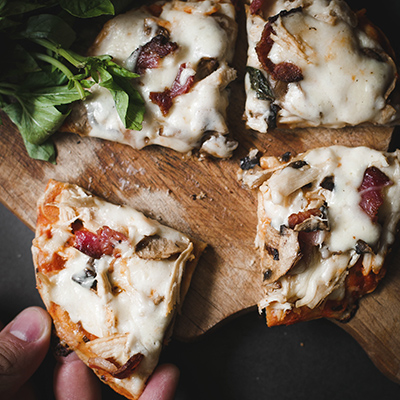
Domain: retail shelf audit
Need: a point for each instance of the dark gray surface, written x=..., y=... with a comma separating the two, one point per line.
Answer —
x=241, y=360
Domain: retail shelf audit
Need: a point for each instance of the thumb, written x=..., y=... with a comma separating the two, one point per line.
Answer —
x=23, y=345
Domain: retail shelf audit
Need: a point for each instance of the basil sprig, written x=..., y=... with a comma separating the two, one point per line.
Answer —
x=42, y=76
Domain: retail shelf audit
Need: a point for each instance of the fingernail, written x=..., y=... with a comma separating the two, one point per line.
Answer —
x=28, y=326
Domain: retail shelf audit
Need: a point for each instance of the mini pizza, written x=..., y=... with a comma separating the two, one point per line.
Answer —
x=112, y=280
x=182, y=51
x=316, y=63
x=326, y=221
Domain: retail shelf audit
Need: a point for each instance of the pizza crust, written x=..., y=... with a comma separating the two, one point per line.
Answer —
x=115, y=309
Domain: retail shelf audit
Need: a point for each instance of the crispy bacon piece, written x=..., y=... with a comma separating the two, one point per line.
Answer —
x=284, y=71
x=287, y=72
x=154, y=9
x=307, y=239
x=371, y=191
x=153, y=51
x=295, y=219
x=256, y=6
x=164, y=99
x=264, y=46
x=97, y=244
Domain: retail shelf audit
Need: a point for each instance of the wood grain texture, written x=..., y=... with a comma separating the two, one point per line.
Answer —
x=203, y=199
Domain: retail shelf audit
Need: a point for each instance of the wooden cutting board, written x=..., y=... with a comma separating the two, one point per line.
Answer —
x=203, y=199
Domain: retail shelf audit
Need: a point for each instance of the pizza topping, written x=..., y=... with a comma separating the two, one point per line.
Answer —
x=125, y=370
x=298, y=164
x=286, y=240
x=181, y=85
x=286, y=156
x=158, y=248
x=97, y=244
x=309, y=220
x=273, y=116
x=250, y=161
x=86, y=278
x=205, y=67
x=154, y=9
x=259, y=83
x=150, y=54
x=328, y=183
x=284, y=71
x=256, y=6
x=362, y=247
x=358, y=284
x=371, y=188
x=287, y=72
x=121, y=372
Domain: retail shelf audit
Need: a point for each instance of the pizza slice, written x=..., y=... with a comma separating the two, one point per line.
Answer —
x=316, y=63
x=326, y=221
x=112, y=280
x=182, y=51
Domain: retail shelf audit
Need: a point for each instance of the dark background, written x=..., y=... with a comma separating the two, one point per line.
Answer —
x=242, y=359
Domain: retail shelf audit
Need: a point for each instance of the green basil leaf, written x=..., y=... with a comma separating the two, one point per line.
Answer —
x=88, y=8
x=19, y=64
x=17, y=7
x=55, y=96
x=117, y=70
x=22, y=61
x=45, y=151
x=259, y=84
x=128, y=102
x=50, y=27
x=36, y=123
x=46, y=77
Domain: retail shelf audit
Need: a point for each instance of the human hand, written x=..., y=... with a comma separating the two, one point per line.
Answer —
x=23, y=346
x=24, y=343
x=73, y=381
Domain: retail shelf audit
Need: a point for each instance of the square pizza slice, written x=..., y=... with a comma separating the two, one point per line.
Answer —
x=326, y=221
x=316, y=63
x=182, y=52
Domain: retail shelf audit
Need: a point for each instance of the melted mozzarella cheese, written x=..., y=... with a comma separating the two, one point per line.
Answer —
x=312, y=281
x=199, y=35
x=134, y=298
x=342, y=84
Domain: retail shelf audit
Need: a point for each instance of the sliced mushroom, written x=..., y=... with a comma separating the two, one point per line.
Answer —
x=363, y=247
x=280, y=253
x=158, y=248
x=205, y=67
x=291, y=178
